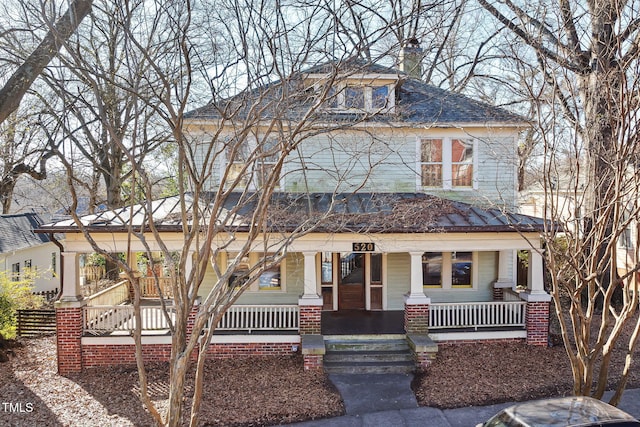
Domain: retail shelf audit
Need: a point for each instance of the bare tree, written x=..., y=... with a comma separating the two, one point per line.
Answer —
x=231, y=156
x=587, y=54
x=22, y=78
x=20, y=153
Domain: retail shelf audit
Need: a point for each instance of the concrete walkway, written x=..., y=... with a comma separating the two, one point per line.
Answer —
x=387, y=400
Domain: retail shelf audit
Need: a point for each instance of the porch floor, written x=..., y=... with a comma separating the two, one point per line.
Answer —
x=354, y=322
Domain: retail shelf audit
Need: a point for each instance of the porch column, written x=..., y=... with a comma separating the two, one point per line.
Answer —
x=71, y=290
x=310, y=303
x=69, y=317
x=416, y=303
x=505, y=279
x=537, y=315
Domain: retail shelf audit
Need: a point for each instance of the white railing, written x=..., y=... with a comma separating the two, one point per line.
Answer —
x=260, y=318
x=477, y=314
x=100, y=320
x=148, y=287
x=114, y=295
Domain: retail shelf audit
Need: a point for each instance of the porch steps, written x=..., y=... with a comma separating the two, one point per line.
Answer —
x=367, y=354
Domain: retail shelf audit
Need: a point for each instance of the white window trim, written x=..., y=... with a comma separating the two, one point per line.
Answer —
x=447, y=283
x=368, y=97
x=254, y=257
x=251, y=185
x=447, y=164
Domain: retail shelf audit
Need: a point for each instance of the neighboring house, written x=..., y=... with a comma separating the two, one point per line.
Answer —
x=23, y=249
x=426, y=250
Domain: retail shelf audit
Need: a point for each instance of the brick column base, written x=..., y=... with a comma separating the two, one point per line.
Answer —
x=313, y=361
x=310, y=319
x=69, y=339
x=416, y=318
x=498, y=294
x=537, y=321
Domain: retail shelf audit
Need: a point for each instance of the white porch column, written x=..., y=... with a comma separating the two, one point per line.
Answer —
x=505, y=276
x=535, y=275
x=310, y=295
x=71, y=277
x=416, y=292
x=310, y=303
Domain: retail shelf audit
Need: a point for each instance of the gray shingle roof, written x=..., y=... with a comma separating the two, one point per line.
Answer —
x=416, y=102
x=17, y=232
x=360, y=212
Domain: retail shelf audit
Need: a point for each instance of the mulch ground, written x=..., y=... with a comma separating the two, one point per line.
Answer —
x=270, y=390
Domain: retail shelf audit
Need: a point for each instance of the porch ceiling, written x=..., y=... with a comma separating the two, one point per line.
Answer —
x=336, y=213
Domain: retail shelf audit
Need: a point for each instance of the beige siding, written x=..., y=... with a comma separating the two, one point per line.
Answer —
x=398, y=279
x=399, y=266
x=293, y=279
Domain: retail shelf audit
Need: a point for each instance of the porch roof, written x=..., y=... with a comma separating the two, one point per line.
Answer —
x=334, y=213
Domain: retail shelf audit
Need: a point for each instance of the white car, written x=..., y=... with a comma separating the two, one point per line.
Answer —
x=561, y=412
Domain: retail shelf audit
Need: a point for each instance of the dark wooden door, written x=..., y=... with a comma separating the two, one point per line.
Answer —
x=351, y=283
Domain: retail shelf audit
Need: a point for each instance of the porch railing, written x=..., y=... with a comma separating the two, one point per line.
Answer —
x=260, y=318
x=114, y=295
x=477, y=315
x=100, y=320
x=148, y=287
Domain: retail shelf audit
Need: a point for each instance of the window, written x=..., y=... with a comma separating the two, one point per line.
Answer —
x=251, y=162
x=15, y=271
x=432, y=269
x=431, y=159
x=446, y=163
x=379, y=96
x=54, y=264
x=461, y=264
x=269, y=280
x=241, y=274
x=447, y=270
x=361, y=97
x=625, y=241
x=354, y=97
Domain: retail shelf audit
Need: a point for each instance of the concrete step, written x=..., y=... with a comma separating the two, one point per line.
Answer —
x=369, y=368
x=368, y=355
x=367, y=345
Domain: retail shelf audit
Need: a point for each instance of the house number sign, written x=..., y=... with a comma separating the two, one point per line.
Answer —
x=364, y=247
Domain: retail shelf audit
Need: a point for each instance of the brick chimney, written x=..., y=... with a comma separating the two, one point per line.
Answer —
x=410, y=58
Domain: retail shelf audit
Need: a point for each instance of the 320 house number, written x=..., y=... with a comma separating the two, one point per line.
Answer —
x=364, y=247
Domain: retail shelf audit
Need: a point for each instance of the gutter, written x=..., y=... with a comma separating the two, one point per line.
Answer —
x=61, y=248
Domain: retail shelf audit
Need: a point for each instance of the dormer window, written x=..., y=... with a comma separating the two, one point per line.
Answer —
x=363, y=98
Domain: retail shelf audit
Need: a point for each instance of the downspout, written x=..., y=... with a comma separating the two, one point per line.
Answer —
x=59, y=245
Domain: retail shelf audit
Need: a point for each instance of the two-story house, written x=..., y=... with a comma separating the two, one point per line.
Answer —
x=26, y=254
x=426, y=246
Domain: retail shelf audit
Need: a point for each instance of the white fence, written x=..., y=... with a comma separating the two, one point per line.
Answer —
x=477, y=314
x=260, y=318
x=114, y=295
x=101, y=320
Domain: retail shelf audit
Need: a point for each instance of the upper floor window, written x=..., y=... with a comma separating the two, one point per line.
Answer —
x=446, y=163
x=251, y=162
x=361, y=97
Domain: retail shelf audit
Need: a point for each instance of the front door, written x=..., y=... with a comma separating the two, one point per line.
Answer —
x=351, y=281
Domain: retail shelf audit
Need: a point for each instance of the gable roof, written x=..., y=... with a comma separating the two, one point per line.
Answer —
x=417, y=103
x=17, y=232
x=350, y=213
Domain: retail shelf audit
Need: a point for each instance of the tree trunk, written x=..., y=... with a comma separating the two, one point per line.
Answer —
x=14, y=90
